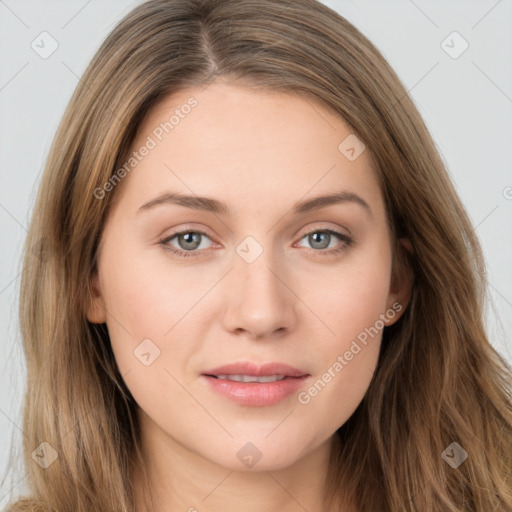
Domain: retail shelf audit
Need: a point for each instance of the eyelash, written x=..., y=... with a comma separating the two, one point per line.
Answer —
x=348, y=241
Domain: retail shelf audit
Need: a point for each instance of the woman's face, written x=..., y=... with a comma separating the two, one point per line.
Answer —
x=263, y=273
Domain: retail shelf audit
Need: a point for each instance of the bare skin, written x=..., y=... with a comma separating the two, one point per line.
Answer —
x=260, y=153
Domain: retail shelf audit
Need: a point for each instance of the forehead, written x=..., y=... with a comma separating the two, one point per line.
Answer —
x=246, y=146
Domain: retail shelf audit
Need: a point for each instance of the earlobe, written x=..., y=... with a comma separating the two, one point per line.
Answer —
x=401, y=281
x=96, y=311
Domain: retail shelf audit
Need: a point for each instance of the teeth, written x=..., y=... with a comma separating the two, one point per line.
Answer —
x=251, y=378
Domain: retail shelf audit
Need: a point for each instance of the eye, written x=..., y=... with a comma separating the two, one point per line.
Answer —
x=320, y=240
x=188, y=242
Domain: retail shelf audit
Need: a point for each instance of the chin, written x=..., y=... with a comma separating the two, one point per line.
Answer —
x=260, y=454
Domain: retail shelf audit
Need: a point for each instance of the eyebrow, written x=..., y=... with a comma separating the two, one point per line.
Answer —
x=212, y=205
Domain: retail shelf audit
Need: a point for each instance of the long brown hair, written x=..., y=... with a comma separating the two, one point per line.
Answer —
x=438, y=380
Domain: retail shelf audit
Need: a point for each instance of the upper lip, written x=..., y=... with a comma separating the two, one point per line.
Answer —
x=248, y=368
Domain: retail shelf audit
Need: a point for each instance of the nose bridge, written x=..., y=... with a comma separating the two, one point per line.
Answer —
x=258, y=301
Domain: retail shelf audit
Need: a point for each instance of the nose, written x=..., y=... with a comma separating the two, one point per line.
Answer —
x=260, y=301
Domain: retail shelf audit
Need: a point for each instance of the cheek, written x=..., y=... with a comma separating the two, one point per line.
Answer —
x=352, y=297
x=353, y=303
x=159, y=312
x=149, y=294
x=350, y=305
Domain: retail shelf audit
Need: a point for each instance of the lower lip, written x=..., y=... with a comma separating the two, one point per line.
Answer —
x=256, y=394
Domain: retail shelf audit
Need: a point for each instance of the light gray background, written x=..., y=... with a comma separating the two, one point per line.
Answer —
x=466, y=103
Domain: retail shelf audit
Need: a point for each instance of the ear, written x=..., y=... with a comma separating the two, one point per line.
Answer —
x=402, y=279
x=96, y=310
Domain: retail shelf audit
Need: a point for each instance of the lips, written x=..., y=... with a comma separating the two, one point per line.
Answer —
x=259, y=386
x=251, y=369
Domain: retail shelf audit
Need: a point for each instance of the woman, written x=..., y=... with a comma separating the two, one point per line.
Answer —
x=263, y=372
